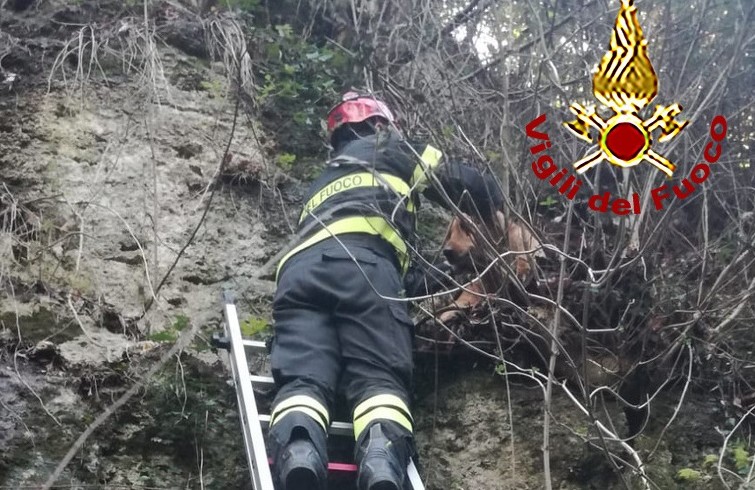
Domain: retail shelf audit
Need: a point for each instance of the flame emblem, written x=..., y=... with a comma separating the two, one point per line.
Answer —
x=625, y=82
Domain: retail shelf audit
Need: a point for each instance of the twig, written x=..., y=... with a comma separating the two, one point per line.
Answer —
x=69, y=301
x=726, y=443
x=182, y=342
x=20, y=419
x=738, y=309
x=223, y=161
x=133, y=237
x=554, y=351
x=678, y=405
x=31, y=390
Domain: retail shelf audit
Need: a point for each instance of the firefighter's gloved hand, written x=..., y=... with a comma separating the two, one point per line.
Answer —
x=423, y=279
x=442, y=268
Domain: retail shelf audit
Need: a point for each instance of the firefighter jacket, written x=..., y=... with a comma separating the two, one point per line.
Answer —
x=372, y=186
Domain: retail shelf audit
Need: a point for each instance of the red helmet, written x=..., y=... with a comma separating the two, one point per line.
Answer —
x=355, y=108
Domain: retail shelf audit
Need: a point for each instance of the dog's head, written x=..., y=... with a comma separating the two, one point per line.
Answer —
x=461, y=249
x=460, y=246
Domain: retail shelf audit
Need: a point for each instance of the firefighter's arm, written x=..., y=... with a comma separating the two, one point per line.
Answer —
x=483, y=194
x=424, y=279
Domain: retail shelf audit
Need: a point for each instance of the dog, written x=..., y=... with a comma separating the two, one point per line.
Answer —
x=467, y=248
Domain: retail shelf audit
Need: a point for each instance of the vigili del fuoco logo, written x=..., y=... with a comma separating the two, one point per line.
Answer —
x=625, y=82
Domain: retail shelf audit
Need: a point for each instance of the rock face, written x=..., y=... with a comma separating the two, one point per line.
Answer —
x=124, y=182
x=104, y=180
x=109, y=161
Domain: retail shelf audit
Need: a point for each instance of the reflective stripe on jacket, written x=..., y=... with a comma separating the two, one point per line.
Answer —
x=369, y=187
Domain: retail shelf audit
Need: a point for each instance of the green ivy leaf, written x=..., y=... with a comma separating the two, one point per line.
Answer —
x=548, y=201
x=181, y=323
x=710, y=460
x=741, y=459
x=285, y=160
x=253, y=325
x=688, y=474
x=284, y=30
x=164, y=336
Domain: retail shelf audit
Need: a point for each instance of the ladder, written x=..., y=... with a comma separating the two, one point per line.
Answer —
x=251, y=420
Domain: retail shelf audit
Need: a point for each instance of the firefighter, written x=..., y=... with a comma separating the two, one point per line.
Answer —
x=340, y=323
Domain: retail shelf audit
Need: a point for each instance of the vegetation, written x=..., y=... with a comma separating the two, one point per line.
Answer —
x=662, y=302
x=171, y=333
x=661, y=287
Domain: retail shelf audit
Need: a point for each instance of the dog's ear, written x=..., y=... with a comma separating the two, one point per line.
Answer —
x=459, y=241
x=520, y=240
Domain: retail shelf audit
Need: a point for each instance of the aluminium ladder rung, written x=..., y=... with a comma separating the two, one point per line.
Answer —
x=224, y=342
x=254, y=440
x=347, y=429
x=265, y=381
x=255, y=345
x=252, y=421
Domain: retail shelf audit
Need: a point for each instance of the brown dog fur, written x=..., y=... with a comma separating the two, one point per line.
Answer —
x=462, y=252
x=601, y=368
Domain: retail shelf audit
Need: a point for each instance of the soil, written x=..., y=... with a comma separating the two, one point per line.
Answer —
x=104, y=180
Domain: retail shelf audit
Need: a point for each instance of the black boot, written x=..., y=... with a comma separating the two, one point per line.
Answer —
x=382, y=464
x=299, y=449
x=300, y=467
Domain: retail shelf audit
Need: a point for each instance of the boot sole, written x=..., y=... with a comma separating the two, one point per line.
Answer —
x=302, y=479
x=384, y=485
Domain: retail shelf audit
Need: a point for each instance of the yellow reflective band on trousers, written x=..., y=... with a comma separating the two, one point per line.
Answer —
x=430, y=159
x=386, y=407
x=356, y=224
x=353, y=181
x=304, y=404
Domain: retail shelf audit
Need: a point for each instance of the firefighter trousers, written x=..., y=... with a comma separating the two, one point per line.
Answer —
x=335, y=334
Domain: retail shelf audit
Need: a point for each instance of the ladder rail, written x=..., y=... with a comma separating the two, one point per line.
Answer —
x=251, y=420
x=414, y=478
x=346, y=429
x=254, y=441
